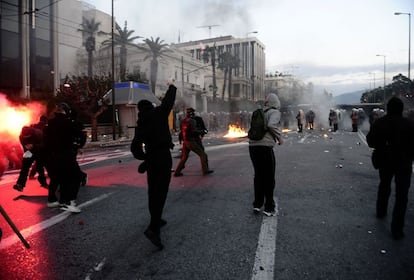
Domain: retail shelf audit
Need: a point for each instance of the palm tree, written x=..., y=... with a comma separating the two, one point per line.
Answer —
x=156, y=50
x=122, y=38
x=89, y=30
x=228, y=62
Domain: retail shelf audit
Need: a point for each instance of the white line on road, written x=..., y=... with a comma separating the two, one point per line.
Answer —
x=264, y=262
x=362, y=137
x=9, y=241
x=211, y=148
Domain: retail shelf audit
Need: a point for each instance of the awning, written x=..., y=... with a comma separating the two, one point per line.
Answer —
x=130, y=93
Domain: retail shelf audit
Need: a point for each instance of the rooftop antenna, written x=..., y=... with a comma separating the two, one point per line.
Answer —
x=209, y=28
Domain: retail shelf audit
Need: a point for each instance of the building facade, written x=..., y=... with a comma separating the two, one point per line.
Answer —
x=42, y=42
x=27, y=47
x=248, y=78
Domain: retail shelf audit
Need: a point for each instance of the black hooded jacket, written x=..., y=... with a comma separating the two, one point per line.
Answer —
x=152, y=126
x=393, y=136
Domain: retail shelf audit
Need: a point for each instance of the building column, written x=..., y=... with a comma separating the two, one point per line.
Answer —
x=204, y=97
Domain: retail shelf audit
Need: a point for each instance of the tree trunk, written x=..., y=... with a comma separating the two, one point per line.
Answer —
x=213, y=64
x=90, y=58
x=154, y=71
x=224, y=83
x=230, y=85
x=122, y=63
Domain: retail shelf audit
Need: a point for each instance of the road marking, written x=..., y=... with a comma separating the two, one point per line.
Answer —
x=96, y=268
x=264, y=261
x=211, y=148
x=9, y=241
x=362, y=137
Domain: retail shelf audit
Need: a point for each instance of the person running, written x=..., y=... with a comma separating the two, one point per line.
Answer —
x=191, y=135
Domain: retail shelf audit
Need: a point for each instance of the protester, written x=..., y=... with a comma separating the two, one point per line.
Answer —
x=191, y=135
x=263, y=158
x=392, y=137
x=60, y=162
x=153, y=131
x=31, y=139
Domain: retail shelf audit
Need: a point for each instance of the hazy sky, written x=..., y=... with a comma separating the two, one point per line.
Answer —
x=331, y=43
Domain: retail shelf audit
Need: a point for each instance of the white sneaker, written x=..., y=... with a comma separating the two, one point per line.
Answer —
x=70, y=208
x=269, y=213
x=53, y=204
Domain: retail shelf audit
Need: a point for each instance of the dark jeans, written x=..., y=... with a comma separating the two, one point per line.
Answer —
x=402, y=184
x=64, y=173
x=24, y=171
x=264, y=164
x=159, y=165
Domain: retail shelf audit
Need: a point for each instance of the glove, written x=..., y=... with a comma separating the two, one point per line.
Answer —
x=142, y=168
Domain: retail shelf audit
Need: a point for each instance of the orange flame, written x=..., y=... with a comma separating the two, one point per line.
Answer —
x=235, y=132
x=14, y=117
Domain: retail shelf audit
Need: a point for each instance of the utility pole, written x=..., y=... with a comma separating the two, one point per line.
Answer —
x=209, y=28
x=113, y=72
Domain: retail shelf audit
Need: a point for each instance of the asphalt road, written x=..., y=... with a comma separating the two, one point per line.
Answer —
x=325, y=227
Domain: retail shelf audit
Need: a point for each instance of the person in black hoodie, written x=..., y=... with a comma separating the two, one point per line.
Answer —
x=392, y=137
x=153, y=131
x=61, y=164
x=31, y=139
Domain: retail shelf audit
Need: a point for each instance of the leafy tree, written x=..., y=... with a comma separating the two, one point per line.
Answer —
x=402, y=86
x=89, y=30
x=156, y=49
x=87, y=95
x=123, y=39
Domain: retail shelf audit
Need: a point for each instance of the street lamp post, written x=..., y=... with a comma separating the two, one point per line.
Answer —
x=376, y=97
x=409, y=41
x=384, y=72
x=113, y=75
x=373, y=73
x=252, y=32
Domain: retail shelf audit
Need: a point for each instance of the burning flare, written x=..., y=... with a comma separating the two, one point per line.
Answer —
x=235, y=131
x=14, y=117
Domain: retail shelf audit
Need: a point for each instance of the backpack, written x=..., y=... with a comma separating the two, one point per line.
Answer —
x=257, y=125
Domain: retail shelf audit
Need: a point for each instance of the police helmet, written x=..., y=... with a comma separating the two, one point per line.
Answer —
x=64, y=107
